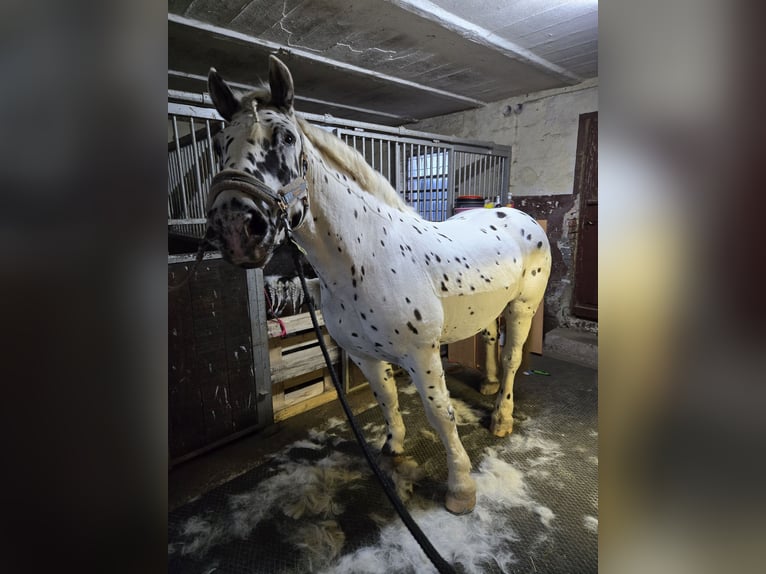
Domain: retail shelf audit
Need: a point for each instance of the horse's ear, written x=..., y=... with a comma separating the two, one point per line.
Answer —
x=281, y=84
x=223, y=98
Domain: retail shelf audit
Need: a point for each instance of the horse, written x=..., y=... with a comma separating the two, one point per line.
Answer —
x=394, y=286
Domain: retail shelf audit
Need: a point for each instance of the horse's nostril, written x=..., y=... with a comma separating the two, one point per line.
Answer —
x=257, y=224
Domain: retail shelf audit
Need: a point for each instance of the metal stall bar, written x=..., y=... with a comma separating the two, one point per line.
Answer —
x=200, y=190
x=380, y=155
x=180, y=167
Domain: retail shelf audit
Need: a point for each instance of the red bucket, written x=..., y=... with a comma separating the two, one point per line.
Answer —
x=466, y=202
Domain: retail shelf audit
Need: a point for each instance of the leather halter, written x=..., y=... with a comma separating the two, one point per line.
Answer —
x=283, y=199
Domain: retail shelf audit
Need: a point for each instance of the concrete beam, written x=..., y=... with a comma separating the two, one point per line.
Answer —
x=298, y=98
x=314, y=57
x=482, y=36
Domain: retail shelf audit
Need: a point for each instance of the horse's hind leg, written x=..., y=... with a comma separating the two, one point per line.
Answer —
x=428, y=376
x=518, y=320
x=491, y=384
x=381, y=378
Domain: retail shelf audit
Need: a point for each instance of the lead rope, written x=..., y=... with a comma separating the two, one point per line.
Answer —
x=442, y=566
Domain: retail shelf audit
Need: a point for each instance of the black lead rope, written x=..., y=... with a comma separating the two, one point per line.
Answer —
x=441, y=565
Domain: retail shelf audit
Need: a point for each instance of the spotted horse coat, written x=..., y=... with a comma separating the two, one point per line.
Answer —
x=393, y=285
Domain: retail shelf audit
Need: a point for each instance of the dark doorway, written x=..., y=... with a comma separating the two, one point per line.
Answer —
x=585, y=300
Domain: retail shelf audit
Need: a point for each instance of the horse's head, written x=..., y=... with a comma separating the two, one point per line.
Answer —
x=261, y=188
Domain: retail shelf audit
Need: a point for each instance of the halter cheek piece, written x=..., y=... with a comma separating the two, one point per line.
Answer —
x=283, y=199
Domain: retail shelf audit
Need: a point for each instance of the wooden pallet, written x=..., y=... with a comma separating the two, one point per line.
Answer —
x=300, y=380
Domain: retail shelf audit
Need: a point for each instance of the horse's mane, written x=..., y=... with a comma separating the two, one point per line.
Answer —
x=352, y=163
x=337, y=152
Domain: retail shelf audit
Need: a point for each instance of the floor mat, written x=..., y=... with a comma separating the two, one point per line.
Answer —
x=314, y=506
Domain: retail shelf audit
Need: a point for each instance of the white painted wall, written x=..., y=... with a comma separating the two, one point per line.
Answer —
x=541, y=129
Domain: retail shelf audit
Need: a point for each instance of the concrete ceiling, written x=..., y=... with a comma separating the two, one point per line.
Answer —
x=389, y=62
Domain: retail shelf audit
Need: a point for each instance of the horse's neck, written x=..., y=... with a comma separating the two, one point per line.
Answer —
x=329, y=236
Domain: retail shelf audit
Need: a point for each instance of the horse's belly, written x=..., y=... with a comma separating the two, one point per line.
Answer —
x=467, y=315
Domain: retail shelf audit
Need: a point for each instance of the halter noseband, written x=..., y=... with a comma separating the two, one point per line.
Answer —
x=283, y=199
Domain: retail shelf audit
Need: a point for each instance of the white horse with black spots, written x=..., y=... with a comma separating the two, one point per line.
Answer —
x=393, y=285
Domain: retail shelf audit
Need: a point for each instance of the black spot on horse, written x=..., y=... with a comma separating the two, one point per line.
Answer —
x=418, y=316
x=500, y=214
x=539, y=244
x=529, y=237
x=444, y=287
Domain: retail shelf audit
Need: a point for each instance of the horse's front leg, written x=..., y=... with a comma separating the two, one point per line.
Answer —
x=383, y=384
x=428, y=376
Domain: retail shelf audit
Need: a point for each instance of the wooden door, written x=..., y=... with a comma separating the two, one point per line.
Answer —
x=585, y=299
x=218, y=381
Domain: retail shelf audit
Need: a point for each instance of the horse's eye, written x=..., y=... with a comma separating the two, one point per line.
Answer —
x=289, y=138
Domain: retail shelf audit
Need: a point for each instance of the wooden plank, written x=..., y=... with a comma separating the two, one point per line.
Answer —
x=304, y=393
x=303, y=361
x=464, y=352
x=293, y=324
x=291, y=411
x=260, y=345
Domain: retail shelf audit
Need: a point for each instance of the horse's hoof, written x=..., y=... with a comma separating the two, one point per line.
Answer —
x=460, y=502
x=488, y=388
x=501, y=429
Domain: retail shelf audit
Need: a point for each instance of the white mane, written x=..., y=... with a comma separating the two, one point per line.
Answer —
x=352, y=163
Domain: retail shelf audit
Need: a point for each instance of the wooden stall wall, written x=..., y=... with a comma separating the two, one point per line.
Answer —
x=217, y=365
